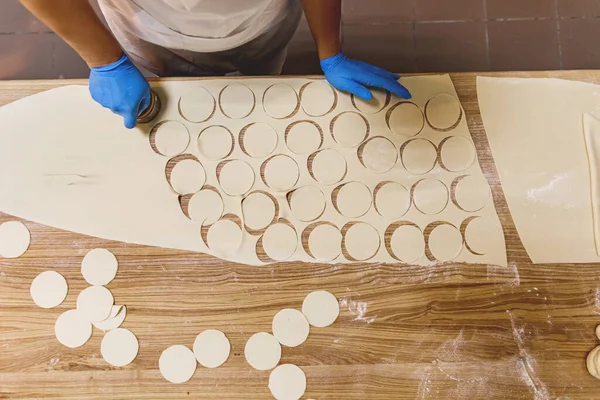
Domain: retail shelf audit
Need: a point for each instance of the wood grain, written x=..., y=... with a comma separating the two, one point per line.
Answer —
x=405, y=332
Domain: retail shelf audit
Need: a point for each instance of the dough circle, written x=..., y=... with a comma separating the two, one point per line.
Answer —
x=236, y=177
x=320, y=308
x=197, y=105
x=287, y=382
x=95, y=303
x=392, y=200
x=236, y=101
x=445, y=242
x=258, y=140
x=170, y=138
x=318, y=98
x=99, y=267
x=362, y=241
x=354, y=199
x=406, y=119
x=407, y=243
x=72, y=329
x=281, y=172
x=215, y=142
x=280, y=241
x=262, y=351
x=457, y=153
x=379, y=155
x=443, y=111
x=119, y=347
x=325, y=242
x=177, y=364
x=307, y=203
x=206, y=206
x=598, y=332
x=280, y=101
x=418, y=156
x=48, y=289
x=258, y=210
x=328, y=167
x=303, y=137
x=349, y=129
x=187, y=177
x=376, y=104
x=211, y=348
x=224, y=237
x=430, y=196
x=471, y=193
x=14, y=239
x=290, y=327
x=114, y=320
x=479, y=233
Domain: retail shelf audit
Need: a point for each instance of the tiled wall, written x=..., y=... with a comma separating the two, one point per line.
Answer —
x=400, y=35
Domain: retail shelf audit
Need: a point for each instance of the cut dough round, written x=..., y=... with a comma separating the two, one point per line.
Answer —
x=290, y=327
x=325, y=242
x=262, y=351
x=119, y=347
x=170, y=138
x=258, y=140
x=392, y=200
x=593, y=362
x=378, y=103
x=114, y=320
x=236, y=101
x=211, y=348
x=72, y=329
x=258, y=210
x=362, y=241
x=224, y=237
x=206, y=206
x=349, y=129
x=215, y=142
x=418, y=156
x=177, y=364
x=443, y=111
x=354, y=199
x=48, y=289
x=280, y=101
x=304, y=137
x=281, y=172
x=95, y=303
x=320, y=308
x=14, y=239
x=479, y=234
x=187, y=177
x=318, y=98
x=307, y=203
x=445, y=242
x=598, y=332
x=430, y=196
x=405, y=119
x=379, y=154
x=99, y=267
x=287, y=382
x=471, y=193
x=197, y=105
x=457, y=153
x=328, y=167
x=280, y=241
x=236, y=177
x=407, y=243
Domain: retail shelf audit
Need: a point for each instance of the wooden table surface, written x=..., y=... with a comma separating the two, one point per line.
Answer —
x=405, y=332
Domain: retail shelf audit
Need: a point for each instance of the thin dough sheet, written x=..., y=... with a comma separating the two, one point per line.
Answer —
x=591, y=128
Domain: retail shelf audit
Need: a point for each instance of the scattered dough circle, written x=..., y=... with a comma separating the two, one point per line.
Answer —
x=418, y=156
x=443, y=111
x=373, y=106
x=303, y=137
x=215, y=142
x=354, y=199
x=280, y=101
x=258, y=140
x=328, y=167
x=287, y=382
x=325, y=242
x=99, y=267
x=445, y=242
x=72, y=329
x=236, y=101
x=349, y=129
x=48, y=289
x=170, y=138
x=480, y=233
x=307, y=203
x=407, y=243
x=95, y=303
x=211, y=348
x=362, y=241
x=290, y=327
x=405, y=119
x=430, y=196
x=379, y=155
x=119, y=347
x=280, y=241
x=593, y=362
x=262, y=351
x=206, y=206
x=14, y=239
x=318, y=98
x=598, y=331
x=187, y=177
x=197, y=105
x=457, y=153
x=114, y=320
x=281, y=172
x=236, y=177
x=177, y=364
x=224, y=237
x=471, y=193
x=320, y=308
x=392, y=200
x=258, y=210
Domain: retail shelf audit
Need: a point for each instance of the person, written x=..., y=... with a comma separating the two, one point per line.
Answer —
x=199, y=38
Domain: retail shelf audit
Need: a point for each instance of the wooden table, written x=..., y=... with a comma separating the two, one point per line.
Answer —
x=405, y=332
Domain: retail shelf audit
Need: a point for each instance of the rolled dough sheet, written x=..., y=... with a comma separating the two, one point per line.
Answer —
x=592, y=143
x=536, y=134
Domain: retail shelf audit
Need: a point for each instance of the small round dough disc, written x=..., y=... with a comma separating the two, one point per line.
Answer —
x=171, y=138
x=457, y=153
x=211, y=348
x=318, y=98
x=236, y=177
x=95, y=303
x=177, y=364
x=187, y=177
x=374, y=105
x=119, y=347
x=354, y=199
x=320, y=308
x=206, y=206
x=419, y=156
x=349, y=129
x=281, y=173
x=259, y=140
x=430, y=196
x=287, y=382
x=325, y=242
x=236, y=100
x=304, y=137
x=472, y=193
x=114, y=320
x=262, y=351
x=443, y=111
x=407, y=243
x=481, y=234
x=307, y=203
x=280, y=101
x=259, y=210
x=362, y=241
x=72, y=329
x=598, y=332
x=592, y=362
x=406, y=119
x=99, y=267
x=445, y=242
x=392, y=200
x=48, y=289
x=328, y=167
x=224, y=237
x=197, y=105
x=280, y=241
x=215, y=142
x=379, y=155
x=14, y=239
x=290, y=327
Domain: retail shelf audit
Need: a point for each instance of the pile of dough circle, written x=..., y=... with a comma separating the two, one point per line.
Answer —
x=206, y=206
x=379, y=154
x=119, y=347
x=445, y=242
x=236, y=177
x=236, y=101
x=280, y=241
x=592, y=362
x=349, y=129
x=258, y=210
x=418, y=156
x=290, y=327
x=373, y=106
x=72, y=328
x=114, y=320
x=320, y=308
x=353, y=199
x=457, y=153
x=259, y=139
x=197, y=105
x=407, y=243
x=95, y=303
x=287, y=382
x=187, y=177
x=281, y=172
x=325, y=242
x=99, y=267
x=215, y=142
x=478, y=232
x=318, y=98
x=392, y=200
x=303, y=137
x=443, y=111
x=171, y=138
x=328, y=166
x=362, y=241
x=471, y=193
x=405, y=119
x=430, y=196
x=14, y=239
x=224, y=236
x=307, y=203
x=211, y=348
x=262, y=351
x=177, y=364
x=280, y=101
x=48, y=289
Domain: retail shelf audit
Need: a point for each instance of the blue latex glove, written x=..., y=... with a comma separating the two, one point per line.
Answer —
x=121, y=88
x=354, y=76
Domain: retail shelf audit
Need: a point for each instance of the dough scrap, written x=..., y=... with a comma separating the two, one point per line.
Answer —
x=177, y=364
x=236, y=178
x=287, y=382
x=170, y=138
x=262, y=351
x=72, y=329
x=325, y=242
x=405, y=119
x=281, y=172
x=95, y=303
x=115, y=319
x=392, y=200
x=307, y=203
x=215, y=142
x=14, y=239
x=379, y=154
x=224, y=237
x=259, y=139
x=443, y=111
x=280, y=101
x=236, y=101
x=471, y=193
x=304, y=137
x=280, y=241
x=445, y=242
x=99, y=267
x=407, y=243
x=187, y=177
x=354, y=199
x=119, y=347
x=349, y=129
x=418, y=156
x=457, y=153
x=320, y=308
x=290, y=327
x=328, y=166
x=211, y=348
x=48, y=289
x=197, y=105
x=430, y=196
x=362, y=241
x=318, y=98
x=258, y=210
x=206, y=206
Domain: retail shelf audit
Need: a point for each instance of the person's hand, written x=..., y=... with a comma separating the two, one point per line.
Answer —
x=355, y=76
x=121, y=88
